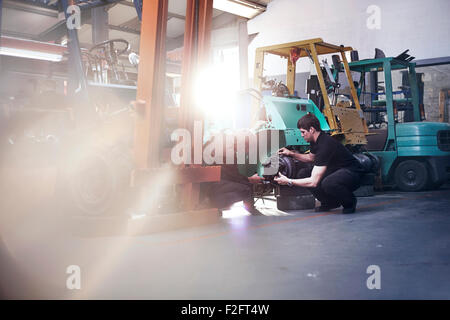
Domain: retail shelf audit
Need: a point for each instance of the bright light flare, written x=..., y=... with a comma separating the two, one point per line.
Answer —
x=137, y=216
x=216, y=92
x=237, y=210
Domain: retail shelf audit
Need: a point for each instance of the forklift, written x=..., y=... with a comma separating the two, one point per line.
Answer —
x=78, y=124
x=344, y=119
x=110, y=155
x=278, y=108
x=414, y=153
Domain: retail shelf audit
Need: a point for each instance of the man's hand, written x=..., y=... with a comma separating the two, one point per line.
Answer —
x=285, y=152
x=255, y=179
x=281, y=179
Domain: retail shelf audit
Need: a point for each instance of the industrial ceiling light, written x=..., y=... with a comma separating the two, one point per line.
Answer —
x=243, y=8
x=30, y=49
x=21, y=53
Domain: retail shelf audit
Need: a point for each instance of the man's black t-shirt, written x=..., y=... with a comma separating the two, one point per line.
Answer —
x=331, y=153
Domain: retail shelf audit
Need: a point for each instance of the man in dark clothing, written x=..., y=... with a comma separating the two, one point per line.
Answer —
x=233, y=186
x=336, y=173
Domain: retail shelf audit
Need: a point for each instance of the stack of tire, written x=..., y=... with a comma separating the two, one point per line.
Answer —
x=293, y=198
x=371, y=165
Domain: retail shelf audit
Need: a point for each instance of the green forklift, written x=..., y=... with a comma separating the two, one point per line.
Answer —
x=414, y=153
x=277, y=107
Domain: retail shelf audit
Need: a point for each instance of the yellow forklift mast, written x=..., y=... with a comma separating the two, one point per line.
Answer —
x=345, y=120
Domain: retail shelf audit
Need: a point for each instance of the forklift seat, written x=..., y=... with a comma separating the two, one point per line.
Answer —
x=377, y=141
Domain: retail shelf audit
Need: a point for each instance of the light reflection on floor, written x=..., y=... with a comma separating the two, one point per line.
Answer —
x=267, y=207
x=236, y=210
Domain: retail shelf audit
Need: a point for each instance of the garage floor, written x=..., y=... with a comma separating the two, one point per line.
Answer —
x=303, y=255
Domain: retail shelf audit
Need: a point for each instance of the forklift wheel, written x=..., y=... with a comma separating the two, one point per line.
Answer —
x=95, y=182
x=411, y=175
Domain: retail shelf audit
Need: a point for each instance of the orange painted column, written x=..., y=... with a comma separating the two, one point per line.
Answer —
x=196, y=56
x=151, y=79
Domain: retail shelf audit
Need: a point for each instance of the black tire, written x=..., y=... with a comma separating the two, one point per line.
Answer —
x=286, y=166
x=411, y=175
x=375, y=162
x=301, y=202
x=95, y=182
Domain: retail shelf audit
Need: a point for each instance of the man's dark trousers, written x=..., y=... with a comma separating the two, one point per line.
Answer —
x=337, y=188
x=224, y=193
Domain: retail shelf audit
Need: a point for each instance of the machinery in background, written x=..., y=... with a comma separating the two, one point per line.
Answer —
x=107, y=150
x=103, y=64
x=415, y=155
x=73, y=115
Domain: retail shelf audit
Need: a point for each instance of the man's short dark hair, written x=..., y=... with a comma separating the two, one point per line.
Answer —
x=307, y=121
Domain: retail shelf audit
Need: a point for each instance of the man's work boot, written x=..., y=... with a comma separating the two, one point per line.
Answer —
x=326, y=207
x=352, y=208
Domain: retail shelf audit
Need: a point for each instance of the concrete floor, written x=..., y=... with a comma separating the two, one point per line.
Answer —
x=303, y=255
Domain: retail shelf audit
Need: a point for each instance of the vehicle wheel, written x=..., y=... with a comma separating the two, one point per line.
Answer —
x=411, y=175
x=96, y=182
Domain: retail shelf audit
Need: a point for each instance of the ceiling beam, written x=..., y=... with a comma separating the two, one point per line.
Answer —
x=217, y=22
x=21, y=35
x=124, y=29
x=174, y=43
x=224, y=19
x=134, y=22
x=175, y=15
x=55, y=32
x=126, y=3
x=169, y=14
x=19, y=6
x=59, y=29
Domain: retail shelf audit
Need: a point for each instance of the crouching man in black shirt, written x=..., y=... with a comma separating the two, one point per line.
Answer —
x=233, y=186
x=336, y=173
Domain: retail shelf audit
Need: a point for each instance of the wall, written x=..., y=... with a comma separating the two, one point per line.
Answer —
x=436, y=78
x=421, y=26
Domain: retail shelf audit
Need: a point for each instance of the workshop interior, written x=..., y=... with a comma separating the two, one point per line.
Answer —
x=140, y=149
